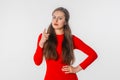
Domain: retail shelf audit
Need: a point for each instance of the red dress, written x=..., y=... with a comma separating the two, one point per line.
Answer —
x=54, y=67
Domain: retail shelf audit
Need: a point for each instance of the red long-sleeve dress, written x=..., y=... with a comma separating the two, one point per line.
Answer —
x=54, y=67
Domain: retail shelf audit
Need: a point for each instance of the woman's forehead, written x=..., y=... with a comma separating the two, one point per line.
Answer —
x=58, y=13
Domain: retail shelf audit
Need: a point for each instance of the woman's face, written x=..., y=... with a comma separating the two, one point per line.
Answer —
x=58, y=20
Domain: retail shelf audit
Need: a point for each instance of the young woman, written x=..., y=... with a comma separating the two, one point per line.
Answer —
x=57, y=45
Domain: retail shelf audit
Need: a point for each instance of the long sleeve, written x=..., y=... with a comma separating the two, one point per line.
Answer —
x=79, y=44
x=38, y=56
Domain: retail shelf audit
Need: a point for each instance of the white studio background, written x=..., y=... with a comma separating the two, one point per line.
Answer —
x=96, y=22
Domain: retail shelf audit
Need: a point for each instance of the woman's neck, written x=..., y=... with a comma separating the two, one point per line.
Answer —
x=59, y=31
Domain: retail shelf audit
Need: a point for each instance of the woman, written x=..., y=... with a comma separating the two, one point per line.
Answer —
x=57, y=45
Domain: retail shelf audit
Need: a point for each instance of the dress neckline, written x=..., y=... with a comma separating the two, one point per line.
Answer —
x=59, y=34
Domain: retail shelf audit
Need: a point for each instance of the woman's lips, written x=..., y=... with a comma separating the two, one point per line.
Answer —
x=56, y=24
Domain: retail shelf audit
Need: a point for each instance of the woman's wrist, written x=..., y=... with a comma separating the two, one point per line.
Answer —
x=41, y=44
x=78, y=68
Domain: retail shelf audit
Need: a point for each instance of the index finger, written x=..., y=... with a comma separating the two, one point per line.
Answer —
x=44, y=30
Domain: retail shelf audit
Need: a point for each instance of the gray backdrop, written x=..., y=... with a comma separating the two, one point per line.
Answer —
x=96, y=22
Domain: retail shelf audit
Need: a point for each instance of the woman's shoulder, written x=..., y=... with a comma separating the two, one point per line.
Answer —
x=75, y=36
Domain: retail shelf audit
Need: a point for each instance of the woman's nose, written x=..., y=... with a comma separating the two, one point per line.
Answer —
x=56, y=20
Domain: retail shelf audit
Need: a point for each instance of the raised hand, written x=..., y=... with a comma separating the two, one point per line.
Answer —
x=44, y=37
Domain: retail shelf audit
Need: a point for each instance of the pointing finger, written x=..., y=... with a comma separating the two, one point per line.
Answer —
x=44, y=31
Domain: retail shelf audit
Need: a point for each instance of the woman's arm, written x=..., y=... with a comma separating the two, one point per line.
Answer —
x=38, y=56
x=92, y=55
x=79, y=44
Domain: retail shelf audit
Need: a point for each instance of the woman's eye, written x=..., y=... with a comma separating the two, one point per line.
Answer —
x=54, y=17
x=60, y=18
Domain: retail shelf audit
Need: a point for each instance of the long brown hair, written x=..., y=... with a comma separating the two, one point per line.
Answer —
x=49, y=49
